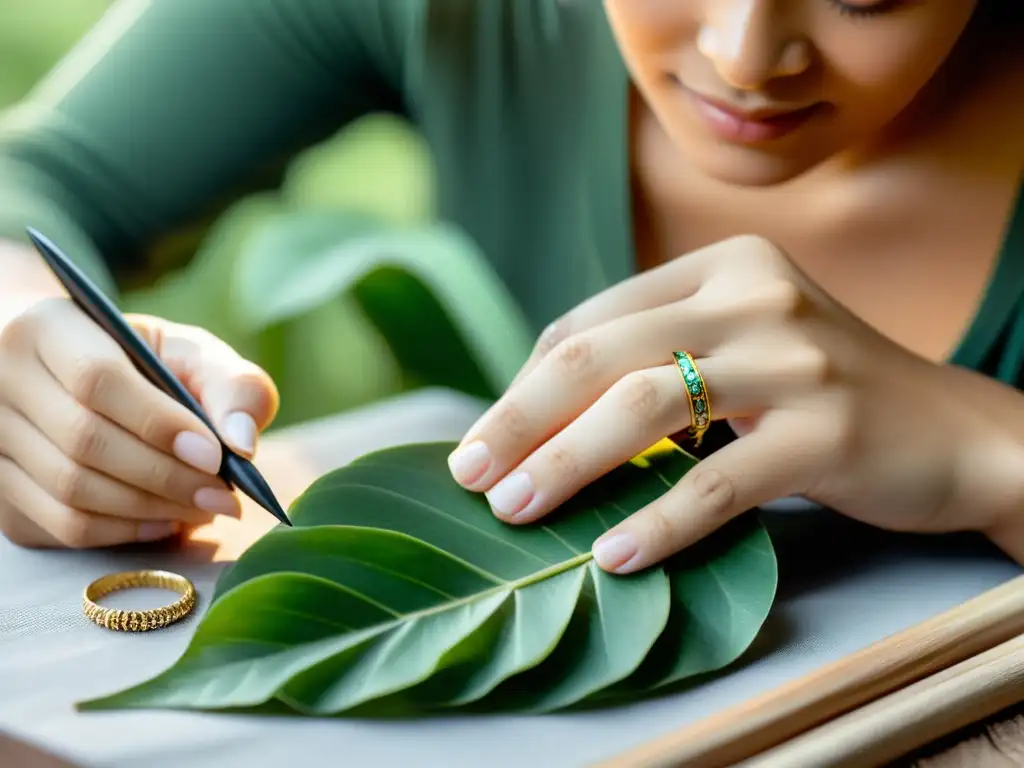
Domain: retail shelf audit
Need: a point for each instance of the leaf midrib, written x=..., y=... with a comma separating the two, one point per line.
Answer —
x=376, y=629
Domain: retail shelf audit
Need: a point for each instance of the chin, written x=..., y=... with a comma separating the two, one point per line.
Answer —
x=750, y=170
x=746, y=166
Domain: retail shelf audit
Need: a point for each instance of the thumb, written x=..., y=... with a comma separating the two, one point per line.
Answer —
x=239, y=397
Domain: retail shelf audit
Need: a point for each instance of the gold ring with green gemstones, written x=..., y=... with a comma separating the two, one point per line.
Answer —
x=697, y=393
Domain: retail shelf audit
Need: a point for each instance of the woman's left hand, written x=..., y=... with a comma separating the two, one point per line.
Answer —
x=824, y=406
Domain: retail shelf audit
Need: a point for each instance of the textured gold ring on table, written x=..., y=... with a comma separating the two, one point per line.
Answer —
x=696, y=393
x=139, y=621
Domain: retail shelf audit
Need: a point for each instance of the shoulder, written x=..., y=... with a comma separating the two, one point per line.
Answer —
x=512, y=52
x=515, y=32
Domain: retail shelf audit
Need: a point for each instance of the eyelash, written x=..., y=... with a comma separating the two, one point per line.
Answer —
x=860, y=11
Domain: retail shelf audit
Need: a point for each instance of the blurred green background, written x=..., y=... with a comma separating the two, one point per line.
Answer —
x=341, y=283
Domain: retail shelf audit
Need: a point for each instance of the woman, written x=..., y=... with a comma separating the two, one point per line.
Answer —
x=815, y=199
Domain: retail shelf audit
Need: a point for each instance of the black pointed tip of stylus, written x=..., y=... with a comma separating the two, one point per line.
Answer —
x=272, y=506
x=269, y=503
x=281, y=515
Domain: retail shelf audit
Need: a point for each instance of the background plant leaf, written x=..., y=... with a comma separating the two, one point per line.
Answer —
x=435, y=602
x=429, y=292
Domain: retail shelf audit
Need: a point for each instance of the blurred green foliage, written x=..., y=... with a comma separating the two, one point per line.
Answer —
x=327, y=351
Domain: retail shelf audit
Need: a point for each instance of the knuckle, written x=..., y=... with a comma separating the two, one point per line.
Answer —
x=563, y=465
x=510, y=422
x=164, y=479
x=13, y=528
x=23, y=331
x=835, y=429
x=70, y=483
x=575, y=355
x=156, y=427
x=756, y=248
x=841, y=429
x=640, y=396
x=812, y=366
x=74, y=530
x=84, y=441
x=764, y=303
x=713, y=490
x=259, y=388
x=19, y=331
x=551, y=336
x=16, y=535
x=661, y=523
x=781, y=298
x=8, y=475
x=92, y=376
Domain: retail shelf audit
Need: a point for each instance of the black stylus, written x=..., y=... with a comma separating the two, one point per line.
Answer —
x=234, y=469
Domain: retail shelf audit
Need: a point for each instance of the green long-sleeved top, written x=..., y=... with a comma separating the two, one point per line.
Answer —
x=169, y=107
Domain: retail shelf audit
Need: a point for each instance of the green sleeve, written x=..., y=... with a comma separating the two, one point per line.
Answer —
x=169, y=108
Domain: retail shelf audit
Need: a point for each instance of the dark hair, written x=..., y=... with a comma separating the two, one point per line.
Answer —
x=999, y=19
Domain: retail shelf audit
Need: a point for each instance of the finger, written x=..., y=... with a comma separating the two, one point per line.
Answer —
x=94, y=370
x=19, y=530
x=779, y=458
x=635, y=413
x=66, y=527
x=631, y=416
x=566, y=383
x=753, y=262
x=238, y=396
x=582, y=368
x=90, y=440
x=80, y=487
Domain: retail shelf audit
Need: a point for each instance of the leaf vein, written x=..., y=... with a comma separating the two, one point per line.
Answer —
x=447, y=515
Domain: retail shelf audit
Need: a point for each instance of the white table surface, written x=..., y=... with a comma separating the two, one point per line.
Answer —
x=841, y=588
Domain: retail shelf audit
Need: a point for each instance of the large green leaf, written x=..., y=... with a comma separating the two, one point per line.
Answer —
x=396, y=586
x=445, y=314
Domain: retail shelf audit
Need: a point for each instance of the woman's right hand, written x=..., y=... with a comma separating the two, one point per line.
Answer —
x=92, y=454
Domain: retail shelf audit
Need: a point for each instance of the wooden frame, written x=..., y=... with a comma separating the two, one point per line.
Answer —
x=968, y=654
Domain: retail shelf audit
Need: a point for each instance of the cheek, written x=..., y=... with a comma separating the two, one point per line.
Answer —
x=878, y=73
x=650, y=32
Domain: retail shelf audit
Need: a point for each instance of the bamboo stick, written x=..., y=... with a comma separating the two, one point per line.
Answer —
x=899, y=723
x=777, y=716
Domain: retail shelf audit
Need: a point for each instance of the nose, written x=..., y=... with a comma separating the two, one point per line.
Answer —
x=748, y=44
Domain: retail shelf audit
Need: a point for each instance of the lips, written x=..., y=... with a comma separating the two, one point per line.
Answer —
x=752, y=126
x=764, y=115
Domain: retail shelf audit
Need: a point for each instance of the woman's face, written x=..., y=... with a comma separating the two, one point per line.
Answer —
x=757, y=92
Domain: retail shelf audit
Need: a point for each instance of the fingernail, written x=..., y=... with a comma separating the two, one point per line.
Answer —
x=240, y=430
x=195, y=450
x=217, y=502
x=511, y=496
x=615, y=552
x=154, y=531
x=469, y=463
